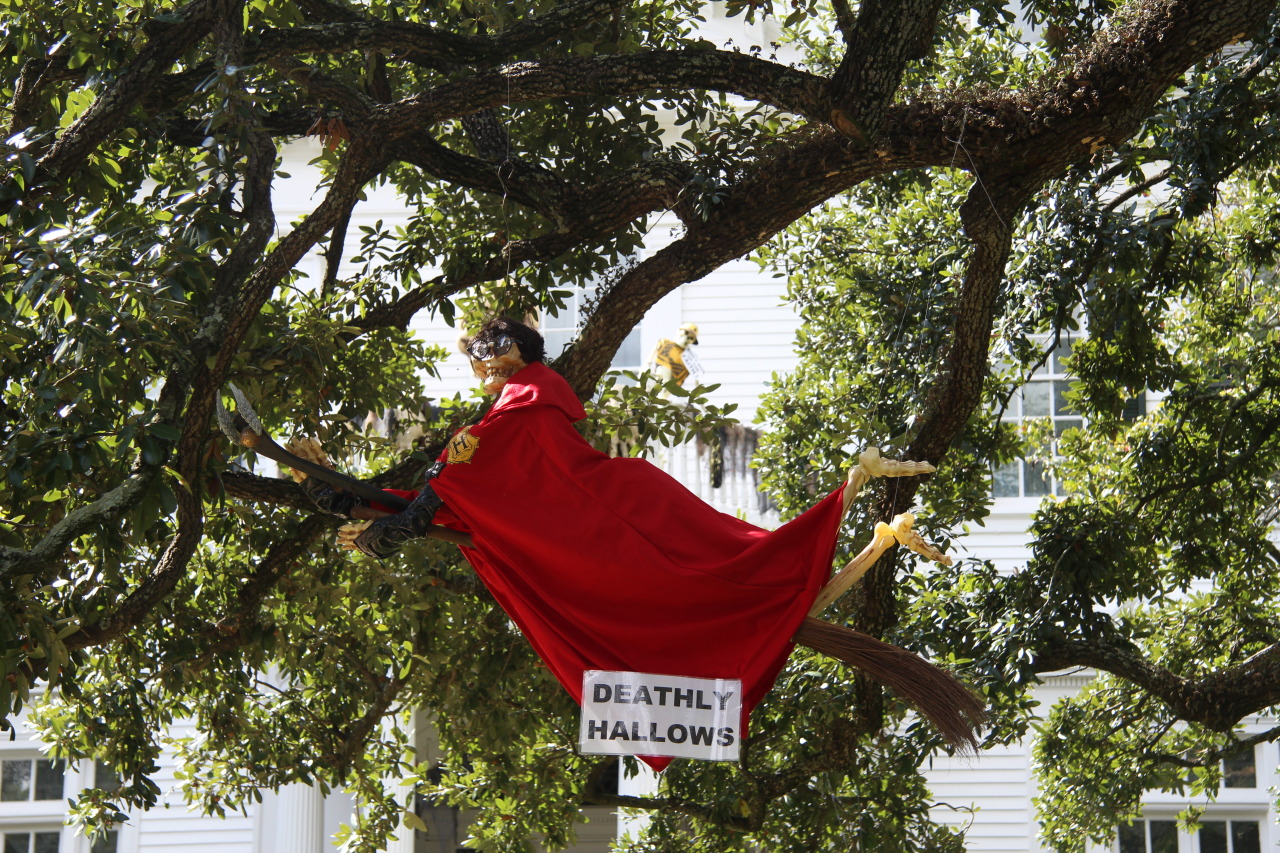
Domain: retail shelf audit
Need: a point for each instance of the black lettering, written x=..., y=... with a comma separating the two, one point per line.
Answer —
x=619, y=731
x=603, y=728
x=635, y=731
x=685, y=696
x=662, y=694
x=700, y=735
x=726, y=736
x=622, y=693
x=642, y=696
x=653, y=734
x=702, y=706
x=722, y=698
x=600, y=693
x=677, y=729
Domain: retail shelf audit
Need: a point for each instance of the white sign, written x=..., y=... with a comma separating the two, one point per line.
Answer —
x=693, y=364
x=638, y=713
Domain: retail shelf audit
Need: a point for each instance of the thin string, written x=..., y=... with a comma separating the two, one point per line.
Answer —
x=973, y=167
x=506, y=165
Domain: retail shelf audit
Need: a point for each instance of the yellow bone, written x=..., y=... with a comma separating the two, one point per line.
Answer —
x=897, y=532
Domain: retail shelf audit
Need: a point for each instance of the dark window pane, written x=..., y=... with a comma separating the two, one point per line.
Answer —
x=16, y=784
x=1060, y=354
x=1035, y=480
x=1164, y=836
x=1239, y=772
x=17, y=842
x=105, y=776
x=1245, y=837
x=49, y=779
x=1061, y=425
x=1060, y=405
x=628, y=355
x=1213, y=836
x=107, y=843
x=46, y=842
x=1135, y=408
x=1035, y=399
x=1005, y=481
x=1133, y=838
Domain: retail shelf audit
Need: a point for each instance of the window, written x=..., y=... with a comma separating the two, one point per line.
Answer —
x=1214, y=836
x=31, y=842
x=559, y=329
x=25, y=779
x=106, y=843
x=1043, y=399
x=1240, y=771
x=1149, y=836
x=1230, y=836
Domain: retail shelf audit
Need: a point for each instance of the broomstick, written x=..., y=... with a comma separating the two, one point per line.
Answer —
x=950, y=706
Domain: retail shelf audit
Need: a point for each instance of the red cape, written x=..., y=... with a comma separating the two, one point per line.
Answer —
x=611, y=564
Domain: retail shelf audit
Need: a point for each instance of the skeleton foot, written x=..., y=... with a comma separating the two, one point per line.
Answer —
x=308, y=449
x=871, y=461
x=871, y=464
x=903, y=532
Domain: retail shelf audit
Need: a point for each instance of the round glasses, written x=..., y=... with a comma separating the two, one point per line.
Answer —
x=483, y=349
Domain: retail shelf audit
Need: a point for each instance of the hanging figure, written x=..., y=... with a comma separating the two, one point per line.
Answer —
x=610, y=564
x=675, y=360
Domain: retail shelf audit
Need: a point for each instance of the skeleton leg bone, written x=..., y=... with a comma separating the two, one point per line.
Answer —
x=871, y=464
x=897, y=532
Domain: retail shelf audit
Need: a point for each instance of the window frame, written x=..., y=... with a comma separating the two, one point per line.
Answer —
x=1232, y=804
x=569, y=319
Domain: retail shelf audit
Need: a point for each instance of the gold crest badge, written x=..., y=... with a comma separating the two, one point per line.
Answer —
x=462, y=447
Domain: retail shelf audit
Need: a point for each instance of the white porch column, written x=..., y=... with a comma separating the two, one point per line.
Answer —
x=404, y=841
x=643, y=784
x=299, y=823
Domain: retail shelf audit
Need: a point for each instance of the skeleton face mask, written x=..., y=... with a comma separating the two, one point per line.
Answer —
x=494, y=359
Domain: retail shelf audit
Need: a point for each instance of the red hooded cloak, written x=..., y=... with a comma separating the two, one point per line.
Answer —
x=611, y=564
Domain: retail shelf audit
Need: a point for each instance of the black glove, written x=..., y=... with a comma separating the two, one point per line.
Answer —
x=385, y=536
x=330, y=499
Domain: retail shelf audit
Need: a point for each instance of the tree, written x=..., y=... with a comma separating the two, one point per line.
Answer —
x=994, y=186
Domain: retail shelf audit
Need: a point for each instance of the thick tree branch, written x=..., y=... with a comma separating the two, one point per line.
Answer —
x=887, y=35
x=1218, y=699
x=797, y=174
x=49, y=551
x=610, y=77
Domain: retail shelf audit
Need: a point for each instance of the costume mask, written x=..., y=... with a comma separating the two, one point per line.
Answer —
x=494, y=359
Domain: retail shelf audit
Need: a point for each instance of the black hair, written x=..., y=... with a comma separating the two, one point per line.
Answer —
x=530, y=342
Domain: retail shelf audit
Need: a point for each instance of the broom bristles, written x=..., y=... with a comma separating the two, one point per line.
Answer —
x=953, y=709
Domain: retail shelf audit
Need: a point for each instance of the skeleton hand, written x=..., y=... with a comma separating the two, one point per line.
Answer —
x=349, y=533
x=323, y=495
x=871, y=462
x=308, y=449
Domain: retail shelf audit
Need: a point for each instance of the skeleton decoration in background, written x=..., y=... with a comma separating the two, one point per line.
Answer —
x=610, y=564
x=675, y=361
